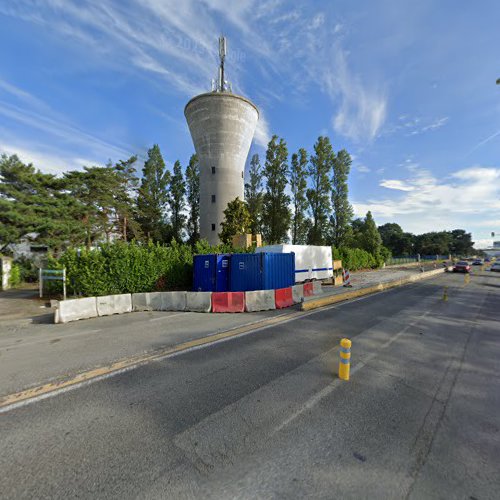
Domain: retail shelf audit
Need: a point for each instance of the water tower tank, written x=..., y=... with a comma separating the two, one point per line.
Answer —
x=222, y=125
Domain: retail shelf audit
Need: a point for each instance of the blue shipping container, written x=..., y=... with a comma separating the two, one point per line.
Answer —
x=261, y=271
x=211, y=273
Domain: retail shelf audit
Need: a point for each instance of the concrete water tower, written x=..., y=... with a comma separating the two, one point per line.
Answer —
x=222, y=125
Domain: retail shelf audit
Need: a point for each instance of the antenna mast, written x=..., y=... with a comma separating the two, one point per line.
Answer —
x=221, y=84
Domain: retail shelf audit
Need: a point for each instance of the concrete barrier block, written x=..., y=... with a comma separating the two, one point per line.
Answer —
x=114, y=304
x=317, y=289
x=173, y=301
x=259, y=300
x=298, y=294
x=283, y=297
x=308, y=289
x=147, y=301
x=75, y=309
x=199, y=301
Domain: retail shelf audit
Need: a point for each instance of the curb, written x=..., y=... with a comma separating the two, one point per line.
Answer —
x=333, y=299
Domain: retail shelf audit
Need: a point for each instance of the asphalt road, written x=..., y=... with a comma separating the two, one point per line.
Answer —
x=263, y=415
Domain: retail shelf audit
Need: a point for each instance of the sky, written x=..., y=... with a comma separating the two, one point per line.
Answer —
x=407, y=87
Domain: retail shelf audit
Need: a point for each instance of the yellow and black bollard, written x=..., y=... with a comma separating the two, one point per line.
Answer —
x=445, y=293
x=467, y=278
x=345, y=359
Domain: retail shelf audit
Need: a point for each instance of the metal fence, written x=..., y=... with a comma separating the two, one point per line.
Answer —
x=394, y=261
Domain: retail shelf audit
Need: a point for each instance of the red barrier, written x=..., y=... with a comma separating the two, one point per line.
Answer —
x=308, y=290
x=228, y=302
x=283, y=298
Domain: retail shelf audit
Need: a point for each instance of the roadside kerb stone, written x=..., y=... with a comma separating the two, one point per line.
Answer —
x=150, y=301
x=259, y=300
x=173, y=301
x=199, y=301
x=75, y=309
x=114, y=304
x=298, y=293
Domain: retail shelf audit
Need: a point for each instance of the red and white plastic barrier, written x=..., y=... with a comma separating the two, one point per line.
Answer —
x=346, y=277
x=283, y=297
x=228, y=302
x=308, y=289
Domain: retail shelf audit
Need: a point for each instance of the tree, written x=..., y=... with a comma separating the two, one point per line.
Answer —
x=342, y=209
x=34, y=202
x=397, y=241
x=366, y=235
x=152, y=198
x=254, y=195
x=318, y=195
x=298, y=185
x=193, y=199
x=177, y=191
x=461, y=243
x=433, y=243
x=125, y=195
x=236, y=220
x=275, y=212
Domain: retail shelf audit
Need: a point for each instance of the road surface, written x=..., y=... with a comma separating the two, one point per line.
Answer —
x=264, y=416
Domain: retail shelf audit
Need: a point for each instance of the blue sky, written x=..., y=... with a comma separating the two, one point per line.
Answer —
x=407, y=87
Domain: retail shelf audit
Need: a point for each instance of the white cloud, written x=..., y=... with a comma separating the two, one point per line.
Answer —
x=262, y=134
x=363, y=169
x=395, y=184
x=465, y=199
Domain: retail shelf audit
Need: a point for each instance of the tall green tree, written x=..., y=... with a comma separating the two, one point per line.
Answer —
x=342, y=211
x=320, y=168
x=236, y=220
x=153, y=196
x=461, y=243
x=276, y=214
x=254, y=195
x=193, y=199
x=125, y=196
x=34, y=202
x=396, y=240
x=298, y=186
x=366, y=235
x=176, y=201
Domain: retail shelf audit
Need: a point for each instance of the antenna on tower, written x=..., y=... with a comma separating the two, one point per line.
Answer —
x=221, y=83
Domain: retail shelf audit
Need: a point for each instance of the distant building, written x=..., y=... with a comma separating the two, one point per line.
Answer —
x=28, y=248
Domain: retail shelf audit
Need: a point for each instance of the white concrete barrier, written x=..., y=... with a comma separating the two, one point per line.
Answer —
x=259, y=300
x=151, y=301
x=298, y=293
x=199, y=301
x=317, y=290
x=114, y=304
x=75, y=309
x=173, y=301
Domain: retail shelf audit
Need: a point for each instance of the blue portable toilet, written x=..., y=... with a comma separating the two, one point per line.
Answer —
x=211, y=273
x=261, y=271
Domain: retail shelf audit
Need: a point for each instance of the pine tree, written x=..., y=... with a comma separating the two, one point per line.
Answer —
x=254, y=195
x=318, y=195
x=177, y=191
x=342, y=209
x=193, y=199
x=276, y=214
x=236, y=220
x=34, y=202
x=153, y=196
x=298, y=185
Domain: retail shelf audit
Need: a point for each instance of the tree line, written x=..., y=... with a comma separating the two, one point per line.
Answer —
x=302, y=199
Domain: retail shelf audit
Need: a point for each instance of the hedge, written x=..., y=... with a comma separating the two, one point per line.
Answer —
x=121, y=267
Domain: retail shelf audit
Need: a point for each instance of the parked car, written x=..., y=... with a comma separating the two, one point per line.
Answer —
x=495, y=267
x=487, y=259
x=461, y=267
x=477, y=262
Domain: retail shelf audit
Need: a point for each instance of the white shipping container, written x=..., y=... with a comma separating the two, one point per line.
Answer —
x=311, y=262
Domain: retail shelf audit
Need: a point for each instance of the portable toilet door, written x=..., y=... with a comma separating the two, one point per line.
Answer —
x=204, y=273
x=222, y=275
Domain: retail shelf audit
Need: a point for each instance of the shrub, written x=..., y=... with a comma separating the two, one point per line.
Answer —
x=15, y=275
x=355, y=258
